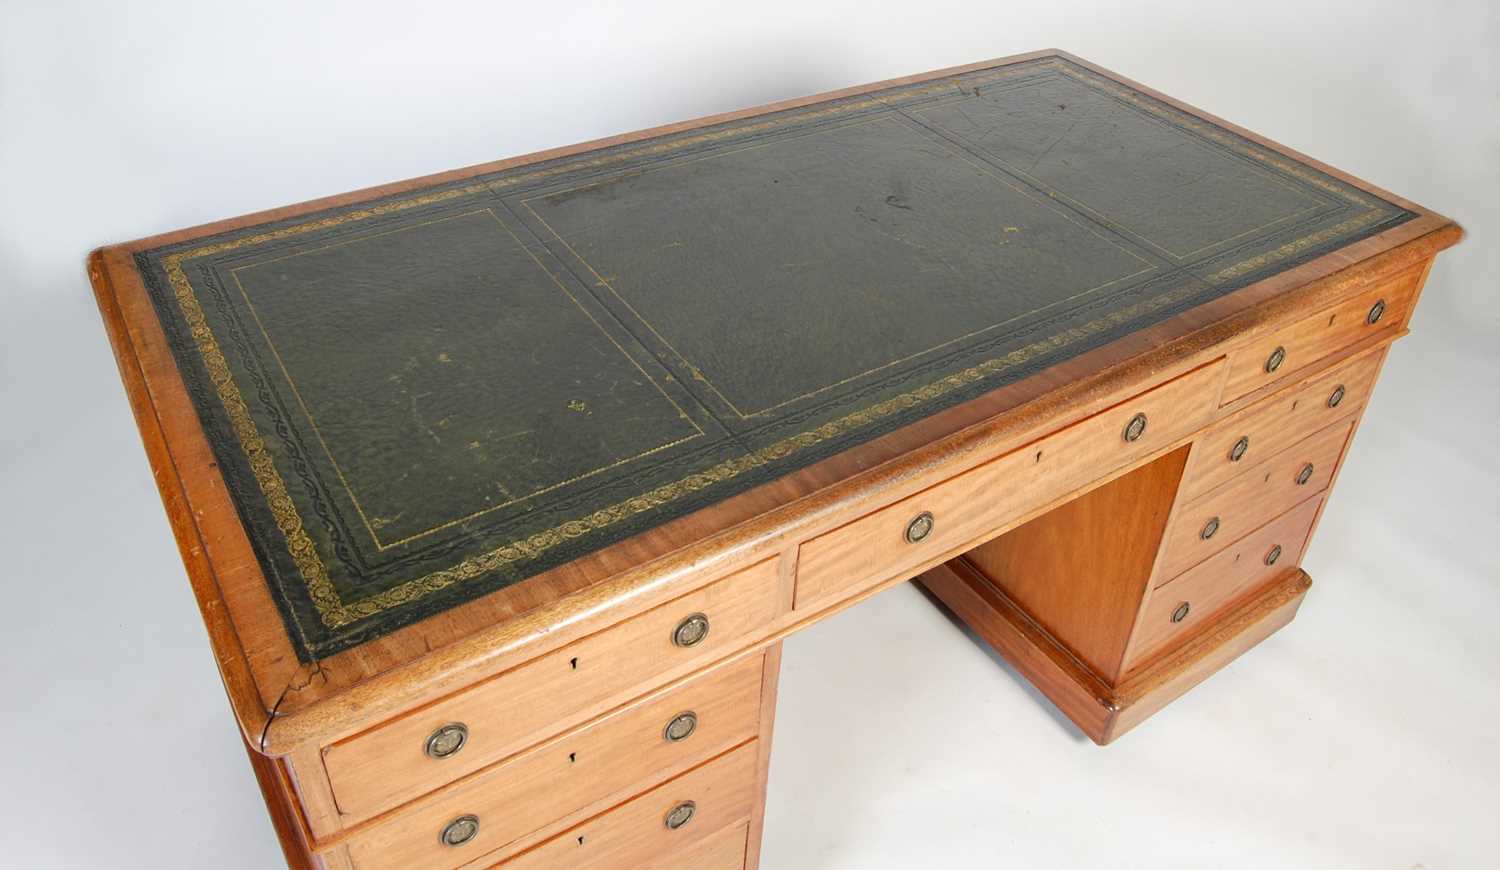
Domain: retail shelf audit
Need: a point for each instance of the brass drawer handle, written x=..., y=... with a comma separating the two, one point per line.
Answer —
x=1210, y=528
x=1274, y=361
x=447, y=740
x=1237, y=452
x=460, y=831
x=691, y=631
x=680, y=815
x=1336, y=396
x=919, y=528
x=1376, y=312
x=1305, y=474
x=1181, y=612
x=680, y=727
x=1272, y=556
x=1135, y=428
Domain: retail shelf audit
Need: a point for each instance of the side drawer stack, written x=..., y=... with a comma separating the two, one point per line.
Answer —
x=629, y=747
x=1248, y=500
x=1141, y=581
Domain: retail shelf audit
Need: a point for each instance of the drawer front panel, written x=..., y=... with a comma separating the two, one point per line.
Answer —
x=1277, y=422
x=1292, y=348
x=1221, y=516
x=1177, y=609
x=885, y=544
x=722, y=851
x=548, y=783
x=377, y=770
x=636, y=833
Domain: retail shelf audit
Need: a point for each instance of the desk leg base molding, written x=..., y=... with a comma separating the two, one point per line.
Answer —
x=1100, y=710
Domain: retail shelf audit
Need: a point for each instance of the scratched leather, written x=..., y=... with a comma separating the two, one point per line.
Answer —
x=463, y=386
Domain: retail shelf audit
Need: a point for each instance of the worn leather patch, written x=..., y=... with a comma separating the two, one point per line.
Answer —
x=419, y=399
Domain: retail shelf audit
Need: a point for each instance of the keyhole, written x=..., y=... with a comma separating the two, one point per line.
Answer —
x=574, y=662
x=572, y=757
x=580, y=841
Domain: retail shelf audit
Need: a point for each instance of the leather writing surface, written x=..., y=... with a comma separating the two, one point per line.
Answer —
x=419, y=399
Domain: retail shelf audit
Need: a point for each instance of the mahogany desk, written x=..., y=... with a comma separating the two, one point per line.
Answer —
x=499, y=489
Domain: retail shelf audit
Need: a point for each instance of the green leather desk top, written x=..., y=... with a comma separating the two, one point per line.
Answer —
x=419, y=399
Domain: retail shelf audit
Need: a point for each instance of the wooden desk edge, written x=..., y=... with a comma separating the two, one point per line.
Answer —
x=234, y=668
x=484, y=652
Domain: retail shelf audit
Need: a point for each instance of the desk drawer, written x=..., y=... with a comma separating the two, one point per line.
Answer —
x=1276, y=423
x=1176, y=609
x=980, y=502
x=1292, y=348
x=390, y=764
x=722, y=851
x=1221, y=516
x=638, y=832
x=603, y=758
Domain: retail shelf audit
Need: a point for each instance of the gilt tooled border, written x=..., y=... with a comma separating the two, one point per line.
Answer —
x=336, y=613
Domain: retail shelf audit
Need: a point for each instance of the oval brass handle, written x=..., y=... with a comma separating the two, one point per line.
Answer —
x=1135, y=428
x=680, y=815
x=691, y=631
x=1181, y=612
x=1274, y=361
x=447, y=740
x=1305, y=474
x=1210, y=528
x=1377, y=311
x=919, y=528
x=1273, y=555
x=680, y=727
x=1237, y=452
x=460, y=831
x=1336, y=396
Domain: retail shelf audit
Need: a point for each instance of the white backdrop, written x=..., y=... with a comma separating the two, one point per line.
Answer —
x=1362, y=737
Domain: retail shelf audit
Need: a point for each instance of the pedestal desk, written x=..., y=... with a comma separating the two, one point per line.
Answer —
x=499, y=489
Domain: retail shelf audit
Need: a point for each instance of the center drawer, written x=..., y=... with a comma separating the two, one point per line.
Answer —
x=925, y=528
x=478, y=726
x=647, y=741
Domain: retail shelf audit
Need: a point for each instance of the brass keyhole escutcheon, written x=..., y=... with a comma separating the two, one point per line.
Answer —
x=919, y=528
x=1272, y=556
x=460, y=831
x=447, y=740
x=691, y=631
x=1209, y=528
x=680, y=815
x=681, y=727
x=1336, y=396
x=1181, y=612
x=1135, y=428
x=1305, y=474
x=1237, y=452
x=1274, y=361
x=1376, y=312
